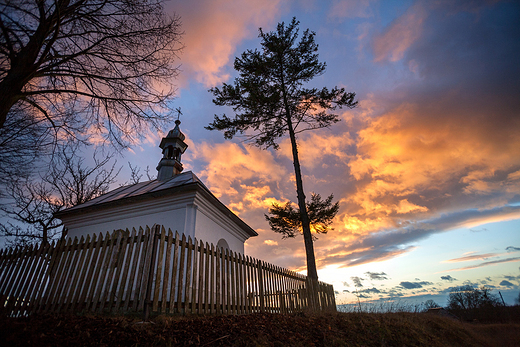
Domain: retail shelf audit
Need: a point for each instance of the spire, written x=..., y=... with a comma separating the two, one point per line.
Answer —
x=173, y=146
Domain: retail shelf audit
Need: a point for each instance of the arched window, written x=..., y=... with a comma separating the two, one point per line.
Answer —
x=222, y=244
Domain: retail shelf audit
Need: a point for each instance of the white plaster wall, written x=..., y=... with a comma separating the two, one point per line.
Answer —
x=208, y=230
x=189, y=213
x=174, y=219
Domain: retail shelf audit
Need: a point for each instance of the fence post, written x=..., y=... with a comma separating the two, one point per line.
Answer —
x=146, y=310
x=261, y=286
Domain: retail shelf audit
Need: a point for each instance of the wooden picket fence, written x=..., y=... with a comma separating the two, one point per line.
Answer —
x=150, y=270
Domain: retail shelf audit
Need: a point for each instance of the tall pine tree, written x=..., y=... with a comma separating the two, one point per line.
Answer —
x=268, y=98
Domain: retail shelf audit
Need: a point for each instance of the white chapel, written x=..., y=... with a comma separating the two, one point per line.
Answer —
x=176, y=199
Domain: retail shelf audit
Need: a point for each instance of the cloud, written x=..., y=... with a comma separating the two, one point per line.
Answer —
x=351, y=9
x=271, y=243
x=390, y=243
x=357, y=281
x=213, y=29
x=401, y=34
x=513, y=249
x=372, y=290
x=376, y=275
x=506, y=283
x=448, y=278
x=414, y=285
x=472, y=257
x=494, y=262
x=437, y=153
x=438, y=149
x=319, y=144
x=241, y=166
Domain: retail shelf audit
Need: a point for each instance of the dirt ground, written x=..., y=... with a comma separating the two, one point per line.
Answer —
x=338, y=329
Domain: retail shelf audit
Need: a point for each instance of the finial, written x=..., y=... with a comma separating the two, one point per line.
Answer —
x=179, y=114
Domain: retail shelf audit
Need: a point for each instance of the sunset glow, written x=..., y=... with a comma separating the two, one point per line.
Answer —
x=426, y=168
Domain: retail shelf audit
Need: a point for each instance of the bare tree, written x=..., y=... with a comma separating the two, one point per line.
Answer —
x=31, y=205
x=469, y=298
x=21, y=142
x=79, y=67
x=136, y=175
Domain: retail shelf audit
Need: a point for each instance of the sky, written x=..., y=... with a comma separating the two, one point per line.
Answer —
x=426, y=168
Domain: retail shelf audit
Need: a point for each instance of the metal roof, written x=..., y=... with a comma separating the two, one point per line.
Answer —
x=141, y=188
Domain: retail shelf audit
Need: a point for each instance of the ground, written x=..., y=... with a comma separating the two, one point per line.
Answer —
x=337, y=329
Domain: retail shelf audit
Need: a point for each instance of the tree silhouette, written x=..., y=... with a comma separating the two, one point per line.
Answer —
x=31, y=205
x=268, y=98
x=286, y=220
x=469, y=298
x=75, y=67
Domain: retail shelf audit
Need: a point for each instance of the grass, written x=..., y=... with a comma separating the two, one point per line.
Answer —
x=335, y=329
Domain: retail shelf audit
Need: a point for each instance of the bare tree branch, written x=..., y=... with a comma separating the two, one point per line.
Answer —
x=110, y=64
x=29, y=211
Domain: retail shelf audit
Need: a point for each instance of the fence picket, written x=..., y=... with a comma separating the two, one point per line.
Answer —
x=19, y=264
x=84, y=264
x=167, y=273
x=111, y=268
x=174, y=273
x=169, y=242
x=62, y=254
x=139, y=265
x=34, y=285
x=22, y=278
x=218, y=265
x=159, y=268
x=201, y=288
x=7, y=265
x=71, y=286
x=195, y=278
x=136, y=255
x=46, y=271
x=181, y=274
x=210, y=275
x=106, y=269
x=187, y=286
x=90, y=281
x=128, y=249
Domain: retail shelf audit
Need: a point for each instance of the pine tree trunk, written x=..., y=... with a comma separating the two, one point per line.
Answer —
x=307, y=236
x=312, y=272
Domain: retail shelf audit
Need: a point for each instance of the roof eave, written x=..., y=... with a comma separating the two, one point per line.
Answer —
x=197, y=186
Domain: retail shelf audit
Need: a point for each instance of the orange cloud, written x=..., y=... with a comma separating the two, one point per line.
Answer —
x=229, y=166
x=315, y=145
x=271, y=243
x=405, y=153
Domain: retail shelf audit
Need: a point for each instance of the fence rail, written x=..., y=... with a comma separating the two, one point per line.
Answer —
x=150, y=270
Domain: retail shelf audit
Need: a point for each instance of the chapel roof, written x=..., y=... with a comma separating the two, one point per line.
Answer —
x=185, y=181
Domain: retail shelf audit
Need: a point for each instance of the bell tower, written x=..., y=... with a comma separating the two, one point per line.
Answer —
x=173, y=146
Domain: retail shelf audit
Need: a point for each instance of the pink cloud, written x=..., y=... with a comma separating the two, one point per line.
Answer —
x=351, y=9
x=404, y=31
x=213, y=29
